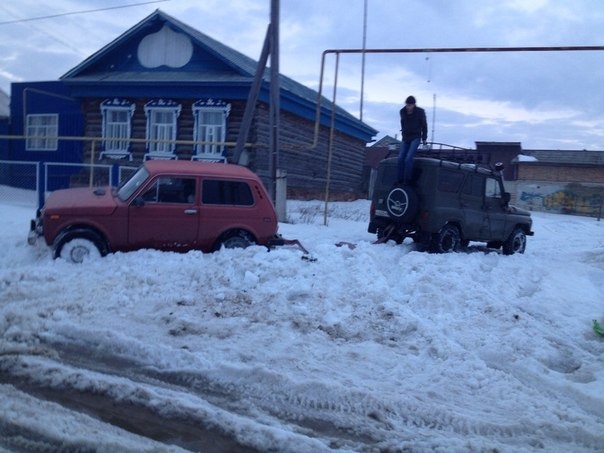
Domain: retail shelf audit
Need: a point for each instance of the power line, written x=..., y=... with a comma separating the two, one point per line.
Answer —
x=80, y=12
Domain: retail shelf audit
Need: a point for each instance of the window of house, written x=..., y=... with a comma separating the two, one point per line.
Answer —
x=161, y=126
x=226, y=193
x=42, y=132
x=210, y=127
x=117, y=126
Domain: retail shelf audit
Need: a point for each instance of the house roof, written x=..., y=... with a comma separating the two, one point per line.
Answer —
x=386, y=141
x=565, y=157
x=212, y=66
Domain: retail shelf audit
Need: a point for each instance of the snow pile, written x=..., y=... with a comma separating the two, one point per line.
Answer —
x=369, y=347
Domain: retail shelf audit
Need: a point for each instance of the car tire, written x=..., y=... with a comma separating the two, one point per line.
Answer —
x=515, y=243
x=447, y=240
x=402, y=204
x=235, y=239
x=77, y=246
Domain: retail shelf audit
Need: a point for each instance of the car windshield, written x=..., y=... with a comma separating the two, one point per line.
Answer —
x=130, y=185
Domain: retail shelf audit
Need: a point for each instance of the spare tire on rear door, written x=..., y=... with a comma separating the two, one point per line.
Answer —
x=402, y=204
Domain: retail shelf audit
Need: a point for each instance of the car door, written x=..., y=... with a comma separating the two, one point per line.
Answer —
x=496, y=209
x=227, y=204
x=476, y=216
x=165, y=214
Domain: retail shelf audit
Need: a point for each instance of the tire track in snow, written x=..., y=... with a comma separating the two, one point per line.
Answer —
x=332, y=415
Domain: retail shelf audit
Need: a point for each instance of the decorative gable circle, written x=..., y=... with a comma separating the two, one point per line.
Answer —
x=165, y=48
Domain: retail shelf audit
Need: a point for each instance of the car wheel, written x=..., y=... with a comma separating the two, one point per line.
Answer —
x=402, y=204
x=235, y=239
x=515, y=243
x=79, y=246
x=447, y=240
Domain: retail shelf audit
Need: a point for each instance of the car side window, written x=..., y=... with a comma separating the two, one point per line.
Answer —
x=449, y=181
x=493, y=189
x=474, y=186
x=171, y=189
x=221, y=192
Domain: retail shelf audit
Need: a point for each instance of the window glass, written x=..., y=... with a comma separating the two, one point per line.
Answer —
x=117, y=125
x=42, y=132
x=226, y=193
x=134, y=182
x=474, y=185
x=170, y=189
x=210, y=126
x=389, y=174
x=161, y=125
x=449, y=181
x=493, y=189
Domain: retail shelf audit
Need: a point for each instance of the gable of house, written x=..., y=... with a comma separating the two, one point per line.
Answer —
x=163, y=56
x=165, y=90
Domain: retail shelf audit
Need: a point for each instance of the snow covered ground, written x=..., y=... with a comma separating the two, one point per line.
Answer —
x=371, y=348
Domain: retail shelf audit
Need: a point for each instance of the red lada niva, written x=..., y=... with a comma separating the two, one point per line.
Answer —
x=166, y=205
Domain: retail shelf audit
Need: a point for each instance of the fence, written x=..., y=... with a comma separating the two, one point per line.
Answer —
x=44, y=177
x=19, y=182
x=28, y=183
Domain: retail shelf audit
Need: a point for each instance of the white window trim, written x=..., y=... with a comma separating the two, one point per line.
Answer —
x=204, y=151
x=49, y=139
x=123, y=147
x=164, y=152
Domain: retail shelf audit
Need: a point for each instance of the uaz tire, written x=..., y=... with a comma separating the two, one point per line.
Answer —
x=447, y=240
x=515, y=243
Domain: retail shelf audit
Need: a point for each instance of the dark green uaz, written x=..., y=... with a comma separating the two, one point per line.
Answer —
x=447, y=205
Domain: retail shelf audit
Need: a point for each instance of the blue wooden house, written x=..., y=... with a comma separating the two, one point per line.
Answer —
x=163, y=90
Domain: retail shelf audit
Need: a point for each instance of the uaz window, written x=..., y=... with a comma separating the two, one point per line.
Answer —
x=449, y=181
x=226, y=193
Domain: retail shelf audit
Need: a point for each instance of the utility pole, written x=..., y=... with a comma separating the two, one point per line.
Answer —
x=274, y=100
x=363, y=59
x=277, y=186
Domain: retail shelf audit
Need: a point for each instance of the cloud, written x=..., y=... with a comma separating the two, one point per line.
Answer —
x=545, y=99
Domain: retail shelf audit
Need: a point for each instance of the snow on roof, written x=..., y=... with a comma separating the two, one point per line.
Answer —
x=525, y=158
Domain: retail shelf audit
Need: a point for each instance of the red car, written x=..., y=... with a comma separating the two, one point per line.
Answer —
x=165, y=205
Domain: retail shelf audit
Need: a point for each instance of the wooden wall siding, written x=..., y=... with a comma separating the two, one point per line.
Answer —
x=306, y=167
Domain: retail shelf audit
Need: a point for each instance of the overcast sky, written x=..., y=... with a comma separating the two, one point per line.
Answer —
x=548, y=100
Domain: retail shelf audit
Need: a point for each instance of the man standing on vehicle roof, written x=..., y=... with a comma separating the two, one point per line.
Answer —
x=414, y=128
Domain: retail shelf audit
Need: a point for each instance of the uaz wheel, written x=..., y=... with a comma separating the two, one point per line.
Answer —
x=447, y=240
x=515, y=243
x=402, y=204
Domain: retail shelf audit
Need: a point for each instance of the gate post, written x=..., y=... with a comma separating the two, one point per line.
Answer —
x=114, y=175
x=40, y=183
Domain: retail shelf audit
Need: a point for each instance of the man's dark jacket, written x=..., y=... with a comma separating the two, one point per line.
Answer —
x=414, y=125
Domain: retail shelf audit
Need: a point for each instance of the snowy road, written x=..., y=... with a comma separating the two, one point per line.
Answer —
x=376, y=348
